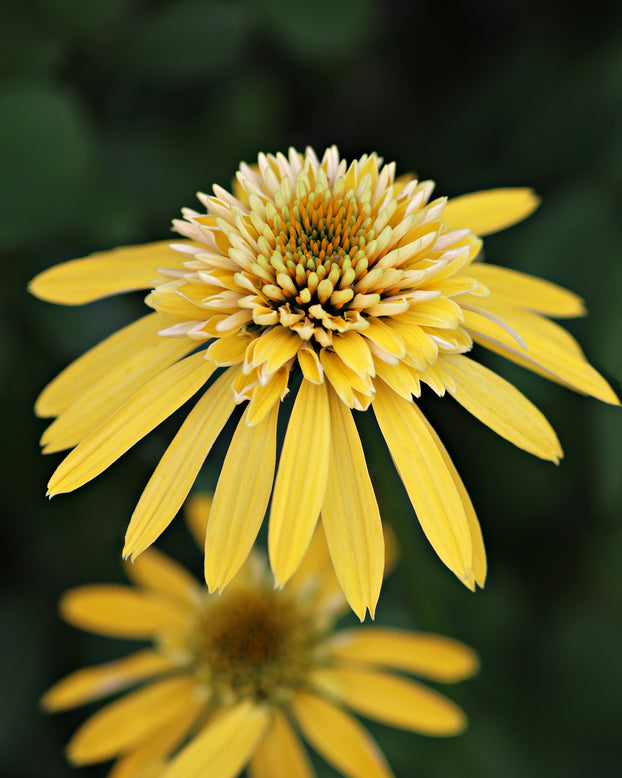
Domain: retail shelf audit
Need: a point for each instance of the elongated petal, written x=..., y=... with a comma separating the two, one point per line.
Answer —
x=301, y=480
x=179, y=466
x=241, y=498
x=500, y=406
x=280, y=753
x=350, y=515
x=157, y=400
x=491, y=210
x=339, y=738
x=104, y=273
x=122, y=612
x=148, y=758
x=510, y=286
x=91, y=683
x=197, y=512
x=127, y=721
x=551, y=351
x=101, y=399
x=479, y=564
x=225, y=745
x=398, y=702
x=429, y=483
x=432, y=656
x=157, y=571
x=85, y=371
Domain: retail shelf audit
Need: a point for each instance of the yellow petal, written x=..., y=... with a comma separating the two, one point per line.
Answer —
x=280, y=753
x=122, y=612
x=157, y=571
x=339, y=738
x=385, y=337
x=491, y=210
x=350, y=515
x=102, y=398
x=398, y=702
x=264, y=397
x=500, y=406
x=509, y=286
x=157, y=400
x=104, y=273
x=551, y=351
x=75, y=379
x=275, y=347
x=178, y=468
x=343, y=379
x=301, y=480
x=479, y=565
x=428, y=482
x=432, y=656
x=91, y=683
x=353, y=350
x=224, y=746
x=148, y=759
x=197, y=512
x=127, y=721
x=241, y=498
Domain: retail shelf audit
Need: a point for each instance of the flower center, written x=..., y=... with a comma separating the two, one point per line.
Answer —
x=254, y=644
x=319, y=250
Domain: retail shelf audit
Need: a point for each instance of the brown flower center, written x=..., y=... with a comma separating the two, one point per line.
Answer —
x=254, y=643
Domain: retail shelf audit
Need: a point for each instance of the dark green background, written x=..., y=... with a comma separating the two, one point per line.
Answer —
x=113, y=113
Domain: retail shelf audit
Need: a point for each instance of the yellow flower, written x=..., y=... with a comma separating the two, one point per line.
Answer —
x=232, y=679
x=348, y=288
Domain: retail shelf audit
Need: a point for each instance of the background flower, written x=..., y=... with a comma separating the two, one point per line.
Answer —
x=231, y=678
x=113, y=116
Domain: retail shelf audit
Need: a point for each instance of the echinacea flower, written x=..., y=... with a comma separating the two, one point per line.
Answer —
x=232, y=680
x=348, y=288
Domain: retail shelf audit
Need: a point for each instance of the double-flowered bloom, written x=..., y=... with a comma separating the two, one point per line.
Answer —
x=233, y=680
x=346, y=288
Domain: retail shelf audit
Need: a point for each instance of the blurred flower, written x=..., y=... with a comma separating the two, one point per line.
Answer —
x=232, y=679
x=348, y=288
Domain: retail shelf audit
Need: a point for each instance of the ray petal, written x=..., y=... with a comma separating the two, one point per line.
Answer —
x=241, y=498
x=104, y=273
x=157, y=571
x=491, y=210
x=157, y=400
x=428, y=481
x=339, y=738
x=301, y=480
x=177, y=469
x=350, y=514
x=280, y=754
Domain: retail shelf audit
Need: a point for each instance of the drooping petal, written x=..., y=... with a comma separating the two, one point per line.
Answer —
x=241, y=498
x=148, y=759
x=479, y=565
x=491, y=210
x=122, y=612
x=551, y=351
x=224, y=746
x=85, y=371
x=157, y=571
x=350, y=514
x=127, y=721
x=104, y=273
x=91, y=683
x=428, y=481
x=280, y=754
x=178, y=468
x=157, y=400
x=339, y=738
x=396, y=701
x=432, y=656
x=514, y=288
x=101, y=399
x=301, y=480
x=499, y=405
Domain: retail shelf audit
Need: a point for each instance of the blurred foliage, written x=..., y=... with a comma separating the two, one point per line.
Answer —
x=112, y=115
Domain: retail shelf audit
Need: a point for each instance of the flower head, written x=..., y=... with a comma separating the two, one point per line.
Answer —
x=348, y=288
x=232, y=680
